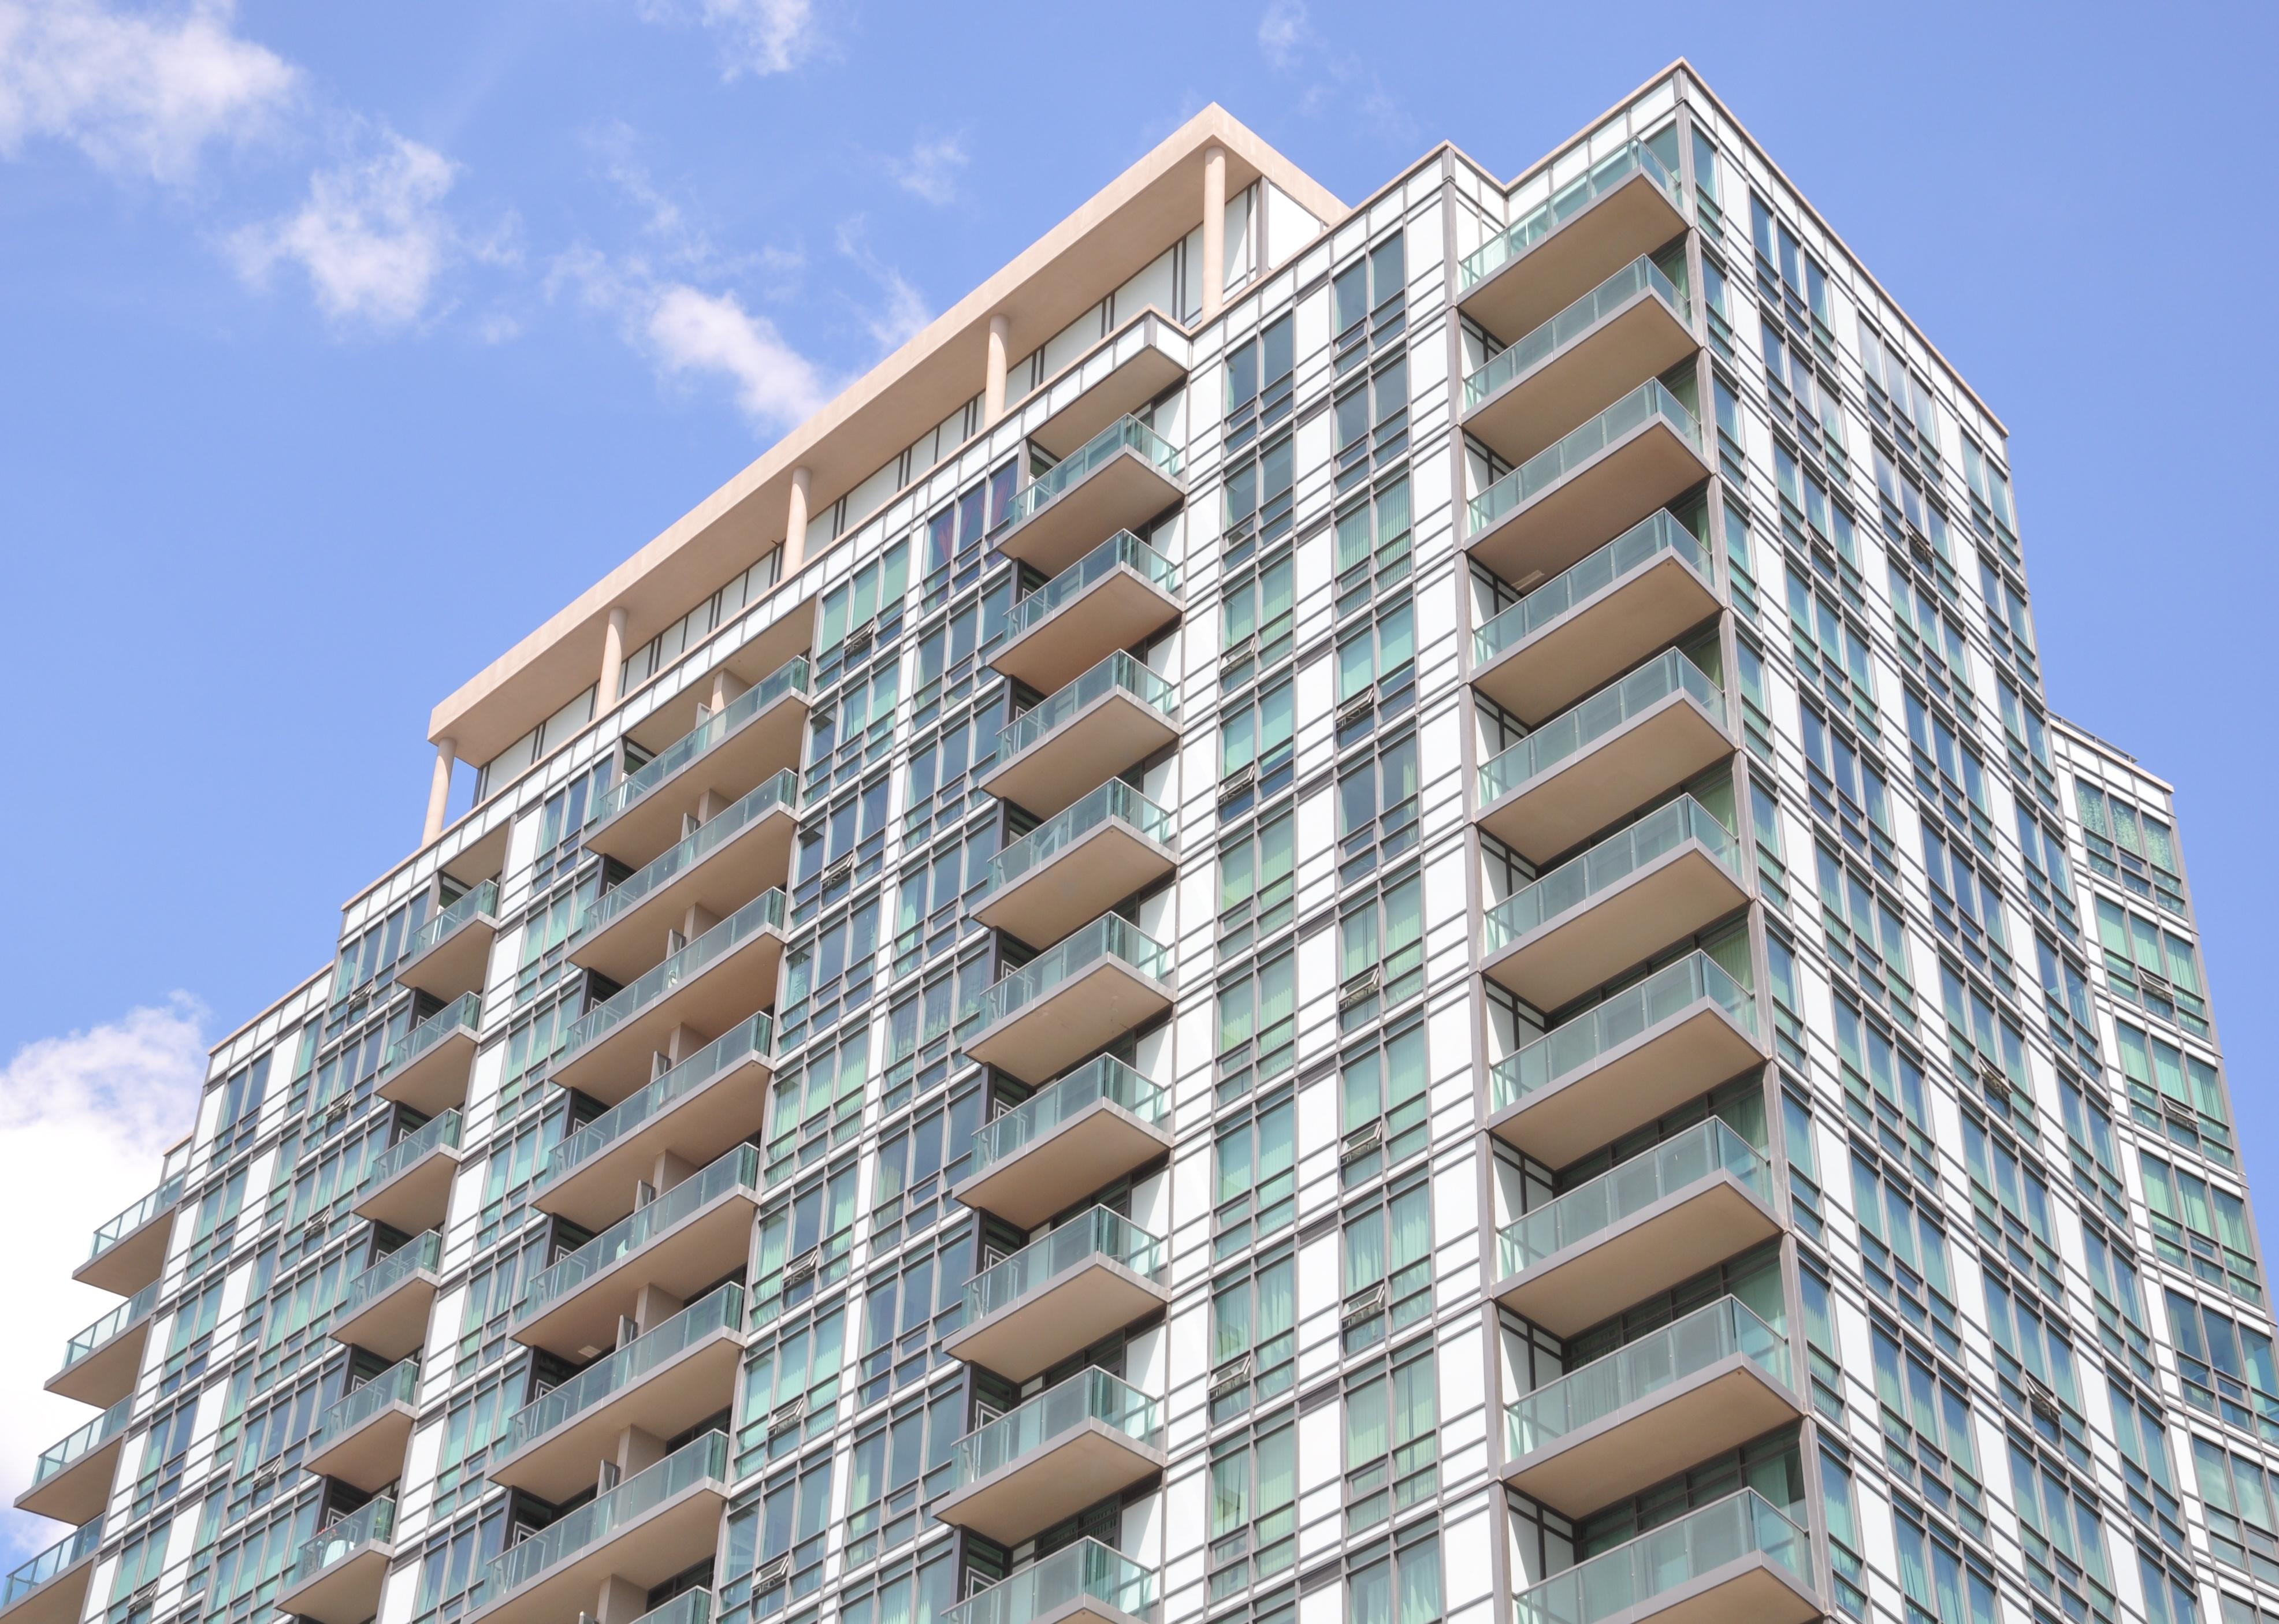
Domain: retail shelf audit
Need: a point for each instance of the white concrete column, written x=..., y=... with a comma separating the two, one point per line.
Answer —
x=794, y=546
x=1213, y=268
x=613, y=661
x=439, y=789
x=993, y=386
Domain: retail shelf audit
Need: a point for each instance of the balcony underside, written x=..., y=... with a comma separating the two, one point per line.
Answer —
x=133, y=1260
x=644, y=1552
x=1122, y=610
x=1107, y=737
x=662, y=1402
x=415, y=1198
x=1050, y=1483
x=1683, y=891
x=345, y=1592
x=1120, y=392
x=1077, y=884
x=754, y=859
x=1670, y=1063
x=708, y=1246
x=59, y=1600
x=1608, y=779
x=1634, y=218
x=393, y=1324
x=1750, y=1589
x=107, y=1375
x=1124, y=493
x=1650, y=1251
x=369, y=1456
x=729, y=989
x=436, y=1080
x=762, y=747
x=1078, y=1157
x=1647, y=469
x=695, y=1130
x=1598, y=639
x=1567, y=389
x=1094, y=1005
x=1063, y=1315
x=454, y=965
x=77, y=1492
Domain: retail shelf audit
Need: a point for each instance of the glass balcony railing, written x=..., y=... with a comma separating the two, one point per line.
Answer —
x=435, y=1132
x=1092, y=1396
x=1609, y=863
x=1642, y=405
x=463, y=1014
x=764, y=912
x=1563, y=205
x=1111, y=936
x=422, y=1252
x=135, y=1307
x=746, y=1039
x=1104, y=1079
x=791, y=677
x=1685, y=1347
x=159, y=1200
x=1115, y=798
x=1086, y=1570
x=705, y=1460
x=1625, y=555
x=1641, y=275
x=688, y=1607
x=1631, y=1187
x=372, y=1523
x=1573, y=730
x=1123, y=547
x=1098, y=1234
x=1677, y=1554
x=66, y=1553
x=480, y=903
x=399, y=1383
x=723, y=1309
x=1125, y=434
x=739, y=1170
x=780, y=790
x=1579, y=1043
x=1118, y=671
x=85, y=1442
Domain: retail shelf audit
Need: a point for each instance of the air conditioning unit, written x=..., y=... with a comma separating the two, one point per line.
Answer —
x=1235, y=1373
x=1362, y=1142
x=1368, y=984
x=772, y=1575
x=1365, y=1304
x=804, y=1265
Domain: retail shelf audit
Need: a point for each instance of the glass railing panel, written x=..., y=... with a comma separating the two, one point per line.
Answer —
x=1685, y=1347
x=1125, y=434
x=1579, y=1043
x=739, y=1170
x=723, y=1309
x=1608, y=863
x=1103, y=1078
x=422, y=1252
x=688, y=1607
x=1098, y=1233
x=159, y=1200
x=1640, y=276
x=780, y=790
x=1086, y=1570
x=790, y=678
x=1571, y=200
x=1118, y=671
x=87, y=1439
x=740, y=1043
x=1115, y=798
x=1642, y=405
x=435, y=1133
x=373, y=1522
x=463, y=1014
x=1603, y=713
x=1123, y=547
x=1677, y=1554
x=764, y=912
x=1094, y=1395
x=480, y=903
x=135, y=1307
x=399, y=1383
x=1631, y=1187
x=66, y=1553
x=1625, y=555
x=1111, y=936
x=705, y=1460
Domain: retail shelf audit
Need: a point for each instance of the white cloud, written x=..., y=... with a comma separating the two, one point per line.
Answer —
x=757, y=36
x=1282, y=30
x=905, y=310
x=931, y=170
x=140, y=93
x=690, y=330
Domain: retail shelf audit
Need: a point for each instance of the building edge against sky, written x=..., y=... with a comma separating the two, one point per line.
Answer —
x=869, y=1116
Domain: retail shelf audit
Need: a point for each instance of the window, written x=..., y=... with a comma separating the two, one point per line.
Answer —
x=2006, y=620
x=2243, y=1510
x=919, y=1161
x=829, y=974
x=1732, y=446
x=817, y=1103
x=1813, y=525
x=956, y=532
x=945, y=664
x=1828, y=646
x=2127, y=844
x=1254, y=1333
x=2119, y=1293
x=2202, y=1227
x=1949, y=774
x=1258, y=498
x=1381, y=951
x=854, y=730
x=905, y=1306
x=853, y=832
x=1372, y=301
x=2152, y=967
x=1899, y=400
x=1990, y=497
x=1788, y=1002
x=1372, y=544
x=1772, y=868
x=2063, y=1536
x=2145, y=1466
x=1254, y=1494
x=377, y=948
x=476, y=1420
x=1884, y=1089
x=873, y=594
x=1965, y=907
x=1926, y=1419
x=927, y=919
x=1257, y=882
x=1382, y=1104
x=1794, y=390
x=2227, y=1367
x=1372, y=421
x=1391, y=1436
x=2010, y=1202
x=1941, y=1582
x=2174, y=1092
x=1848, y=792
x=789, y=1516
x=791, y=1386
x=494, y=1290
x=1930, y=642
x=1379, y=657
x=2029, y=739
x=514, y=1162
x=2167, y=1593
x=1989, y=1050
x=1257, y=1024
x=2047, y=883
x=1397, y=1582
x=1387, y=1272
x=900, y=1459
x=1258, y=381
x=1864, y=931
x=545, y=931
x=1255, y=620
x=804, y=1242
x=2088, y=1133
x=1254, y=751
x=1255, y=1156
x=1756, y=713
x=1905, y=1252
x=2034, y=1362
x=1377, y=809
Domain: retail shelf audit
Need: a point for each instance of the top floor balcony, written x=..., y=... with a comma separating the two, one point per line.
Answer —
x=448, y=955
x=1104, y=981
x=1105, y=723
x=1117, y=596
x=51, y=1588
x=1122, y=373
x=1627, y=203
x=1119, y=480
x=1078, y=863
x=102, y=1362
x=129, y=1251
x=1740, y=1557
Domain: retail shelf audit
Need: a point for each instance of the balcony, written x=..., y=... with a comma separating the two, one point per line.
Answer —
x=1641, y=1227
x=655, y=1524
x=1629, y=328
x=1637, y=1056
x=1705, y=1383
x=1117, y=596
x=1071, y=1446
x=695, y=1234
x=1642, y=453
x=1100, y=983
x=71, y=1482
x=1626, y=204
x=1066, y=1141
x=450, y=954
x=662, y=1383
x=1124, y=371
x=1629, y=744
x=740, y=853
x=426, y=1069
x=129, y=1252
x=746, y=742
x=1057, y=1295
x=408, y=1186
x=1078, y=863
x=693, y=1114
x=360, y=1439
x=712, y=984
x=385, y=1308
x=1674, y=872
x=1118, y=479
x=1083, y=1583
x=335, y=1577
x=1579, y=630
x=1105, y=723
x=101, y=1363
x=1738, y=1559
x=51, y=1588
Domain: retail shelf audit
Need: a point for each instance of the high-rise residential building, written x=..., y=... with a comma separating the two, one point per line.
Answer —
x=1326, y=913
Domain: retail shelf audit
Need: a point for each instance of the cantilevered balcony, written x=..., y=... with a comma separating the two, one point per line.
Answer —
x=1628, y=329
x=1102, y=982
x=335, y=1577
x=71, y=1482
x=360, y=1440
x=1674, y=872
x=1625, y=204
x=1703, y=1384
x=746, y=742
x=662, y=1383
x=1639, y=1055
x=129, y=1252
x=1037, y=1464
x=1083, y=1583
x=714, y=982
x=428, y=1068
x=1078, y=863
x=1628, y=745
x=1641, y=1227
x=693, y=1235
x=101, y=1363
x=691, y=1115
x=1066, y=1141
x=385, y=1308
x=656, y=1524
x=408, y=1186
x=1059, y=1295
x=448, y=955
x=1642, y=453
x=1118, y=479
x=1738, y=1560
x=1106, y=722
x=1572, y=635
x=51, y=1588
x=1117, y=596
x=740, y=853
x=1121, y=374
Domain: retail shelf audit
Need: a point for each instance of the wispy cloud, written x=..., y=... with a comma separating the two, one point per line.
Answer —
x=1282, y=30
x=1334, y=80
x=902, y=310
x=694, y=332
x=756, y=36
x=930, y=169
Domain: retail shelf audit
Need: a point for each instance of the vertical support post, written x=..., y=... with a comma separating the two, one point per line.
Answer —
x=439, y=790
x=1214, y=267
x=613, y=661
x=794, y=546
x=993, y=386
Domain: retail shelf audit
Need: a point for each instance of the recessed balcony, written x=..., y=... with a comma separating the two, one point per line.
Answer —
x=1641, y=1227
x=693, y=1114
x=1675, y=871
x=662, y=1383
x=448, y=955
x=360, y=1440
x=1579, y=630
x=101, y=1363
x=1104, y=981
x=1738, y=1560
x=715, y=981
x=1071, y=1446
x=1058, y=1295
x=335, y=1577
x=1066, y=1141
x=129, y=1252
x=1117, y=596
x=1078, y=863
x=407, y=1185
x=71, y=1482
x=739, y=747
x=1105, y=723
x=385, y=1309
x=428, y=1068
x=1083, y=1583
x=1627, y=203
x=1636, y=1057
x=51, y=1588
x=1118, y=479
x=1627, y=746
x=693, y=1235
x=1124, y=371
x=1642, y=453
x=742, y=852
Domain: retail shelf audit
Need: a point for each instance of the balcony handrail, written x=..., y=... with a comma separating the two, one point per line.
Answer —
x=688, y=1607
x=1742, y=1524
x=779, y=791
x=705, y=1461
x=745, y=1039
x=1640, y=276
x=1590, y=720
x=1111, y=936
x=787, y=678
x=66, y=1554
x=1123, y=547
x=1052, y=1584
x=85, y=1441
x=437, y=1131
x=1642, y=405
x=463, y=1012
x=373, y=1522
x=135, y=1307
x=1573, y=1045
x=1092, y=1395
x=764, y=912
x=1562, y=890
x=723, y=1309
x=1537, y=222
x=399, y=1383
x=739, y=1170
x=1126, y=434
x=1117, y=670
x=1625, y=555
x=1115, y=798
x=424, y=1251
x=1097, y=1233
x=1708, y=1147
x=480, y=903
x=1103, y=1077
x=1686, y=1346
x=118, y=1228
